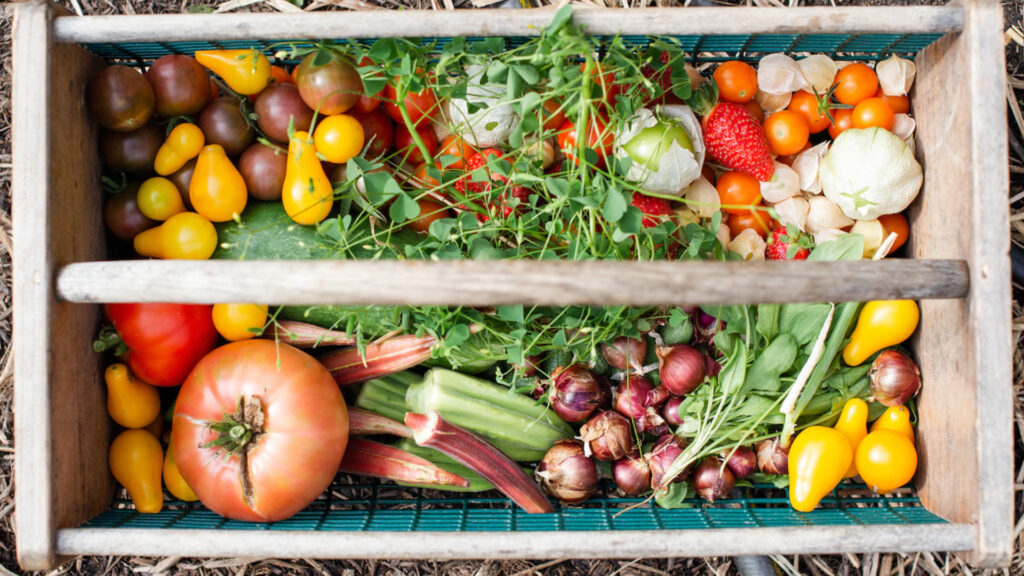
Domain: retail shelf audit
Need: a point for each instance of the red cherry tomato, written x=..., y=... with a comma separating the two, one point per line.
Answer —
x=164, y=341
x=418, y=105
x=599, y=138
x=406, y=146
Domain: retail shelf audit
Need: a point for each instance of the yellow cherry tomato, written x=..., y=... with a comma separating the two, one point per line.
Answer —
x=185, y=236
x=173, y=480
x=159, y=199
x=339, y=138
x=895, y=419
x=886, y=460
x=183, y=144
x=136, y=460
x=245, y=71
x=130, y=402
x=818, y=459
x=307, y=194
x=237, y=321
x=853, y=423
x=217, y=189
x=882, y=323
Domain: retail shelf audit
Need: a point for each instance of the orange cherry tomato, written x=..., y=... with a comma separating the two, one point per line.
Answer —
x=430, y=211
x=553, y=116
x=806, y=104
x=737, y=82
x=421, y=179
x=279, y=74
x=755, y=111
x=900, y=104
x=599, y=138
x=854, y=83
x=895, y=223
x=787, y=132
x=738, y=192
x=842, y=121
x=454, y=145
x=872, y=113
x=756, y=220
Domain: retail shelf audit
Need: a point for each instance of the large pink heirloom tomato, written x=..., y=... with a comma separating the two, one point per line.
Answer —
x=259, y=430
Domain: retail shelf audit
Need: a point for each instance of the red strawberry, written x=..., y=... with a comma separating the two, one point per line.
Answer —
x=466, y=185
x=778, y=249
x=654, y=209
x=733, y=136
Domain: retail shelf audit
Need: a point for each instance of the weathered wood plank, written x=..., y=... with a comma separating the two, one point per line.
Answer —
x=60, y=464
x=964, y=347
x=546, y=544
x=680, y=21
x=484, y=283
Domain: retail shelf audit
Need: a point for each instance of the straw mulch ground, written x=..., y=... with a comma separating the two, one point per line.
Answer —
x=869, y=565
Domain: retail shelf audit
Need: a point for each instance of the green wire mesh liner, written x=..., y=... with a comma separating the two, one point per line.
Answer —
x=703, y=48
x=369, y=507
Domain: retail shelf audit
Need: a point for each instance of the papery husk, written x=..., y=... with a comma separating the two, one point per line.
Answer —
x=823, y=214
x=785, y=183
x=827, y=235
x=896, y=75
x=793, y=211
x=780, y=74
x=472, y=126
x=819, y=71
x=679, y=167
x=806, y=165
x=724, y=235
x=704, y=198
x=772, y=103
x=903, y=126
x=749, y=245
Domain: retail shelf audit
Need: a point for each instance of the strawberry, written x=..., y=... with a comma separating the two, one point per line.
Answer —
x=654, y=209
x=779, y=246
x=466, y=185
x=733, y=136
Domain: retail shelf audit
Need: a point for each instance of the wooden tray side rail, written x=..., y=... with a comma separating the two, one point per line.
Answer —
x=61, y=426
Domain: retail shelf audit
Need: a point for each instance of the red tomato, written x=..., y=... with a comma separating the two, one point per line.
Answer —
x=454, y=145
x=418, y=105
x=854, y=83
x=164, y=341
x=366, y=103
x=842, y=121
x=872, y=113
x=553, y=116
x=900, y=104
x=294, y=424
x=603, y=84
x=406, y=146
x=736, y=81
x=738, y=191
x=378, y=130
x=806, y=104
x=430, y=210
x=599, y=138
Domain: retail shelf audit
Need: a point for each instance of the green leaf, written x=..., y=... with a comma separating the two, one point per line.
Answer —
x=632, y=221
x=497, y=71
x=558, y=187
x=803, y=321
x=614, y=205
x=440, y=229
x=735, y=369
x=563, y=15
x=527, y=73
x=481, y=249
x=559, y=340
x=380, y=187
x=846, y=247
x=322, y=58
x=403, y=208
x=511, y=313
x=767, y=324
x=675, y=496
x=457, y=335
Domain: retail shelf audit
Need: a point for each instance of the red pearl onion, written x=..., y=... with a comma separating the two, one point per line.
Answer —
x=625, y=353
x=632, y=396
x=712, y=480
x=632, y=475
x=576, y=392
x=742, y=463
x=566, y=473
x=664, y=453
x=772, y=458
x=894, y=378
x=681, y=368
x=608, y=436
x=670, y=411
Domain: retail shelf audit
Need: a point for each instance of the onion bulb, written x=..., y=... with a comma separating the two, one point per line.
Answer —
x=632, y=396
x=670, y=411
x=681, y=368
x=566, y=473
x=666, y=450
x=894, y=378
x=742, y=462
x=608, y=436
x=625, y=353
x=772, y=458
x=712, y=479
x=576, y=392
x=632, y=475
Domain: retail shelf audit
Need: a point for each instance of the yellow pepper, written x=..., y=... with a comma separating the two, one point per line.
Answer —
x=882, y=323
x=217, y=189
x=183, y=144
x=130, y=402
x=174, y=481
x=184, y=236
x=853, y=423
x=896, y=419
x=245, y=71
x=818, y=459
x=136, y=460
x=307, y=194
